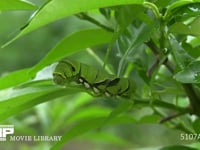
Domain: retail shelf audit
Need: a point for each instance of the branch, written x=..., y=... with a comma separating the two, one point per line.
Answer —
x=84, y=16
x=157, y=51
x=194, y=100
x=172, y=116
x=159, y=103
x=153, y=46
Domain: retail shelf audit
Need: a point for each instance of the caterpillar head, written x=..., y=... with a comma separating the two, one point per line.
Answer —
x=66, y=71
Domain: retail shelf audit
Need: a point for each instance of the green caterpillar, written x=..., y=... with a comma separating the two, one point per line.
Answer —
x=99, y=81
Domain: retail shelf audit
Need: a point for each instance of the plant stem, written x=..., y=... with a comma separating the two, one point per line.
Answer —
x=156, y=51
x=162, y=104
x=194, y=100
x=195, y=105
x=115, y=36
x=154, y=8
x=172, y=116
x=153, y=46
x=84, y=16
x=90, y=51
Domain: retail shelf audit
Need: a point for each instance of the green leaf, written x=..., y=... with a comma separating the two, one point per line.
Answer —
x=88, y=125
x=177, y=147
x=178, y=4
x=190, y=74
x=66, y=114
x=109, y=138
x=196, y=125
x=131, y=45
x=180, y=28
x=16, y=5
x=181, y=57
x=72, y=44
x=14, y=78
x=88, y=112
x=77, y=130
x=194, y=42
x=190, y=29
x=150, y=119
x=192, y=46
x=57, y=9
x=14, y=105
x=162, y=4
x=19, y=77
x=24, y=89
x=124, y=106
x=186, y=14
x=126, y=14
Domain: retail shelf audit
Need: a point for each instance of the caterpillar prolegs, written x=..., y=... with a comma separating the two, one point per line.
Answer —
x=99, y=81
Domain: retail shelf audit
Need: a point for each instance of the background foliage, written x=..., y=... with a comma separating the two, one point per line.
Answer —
x=155, y=43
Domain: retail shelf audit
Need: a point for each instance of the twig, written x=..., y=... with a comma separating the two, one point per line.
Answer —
x=162, y=104
x=194, y=100
x=172, y=116
x=91, y=52
x=152, y=68
x=84, y=16
x=157, y=51
x=169, y=67
x=153, y=46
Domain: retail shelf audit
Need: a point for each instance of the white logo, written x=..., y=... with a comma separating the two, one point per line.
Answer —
x=5, y=130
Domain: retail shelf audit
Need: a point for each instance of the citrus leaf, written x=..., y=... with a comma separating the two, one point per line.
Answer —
x=88, y=125
x=191, y=29
x=12, y=106
x=57, y=9
x=14, y=78
x=177, y=147
x=190, y=74
x=181, y=57
x=72, y=44
x=16, y=5
x=178, y=4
